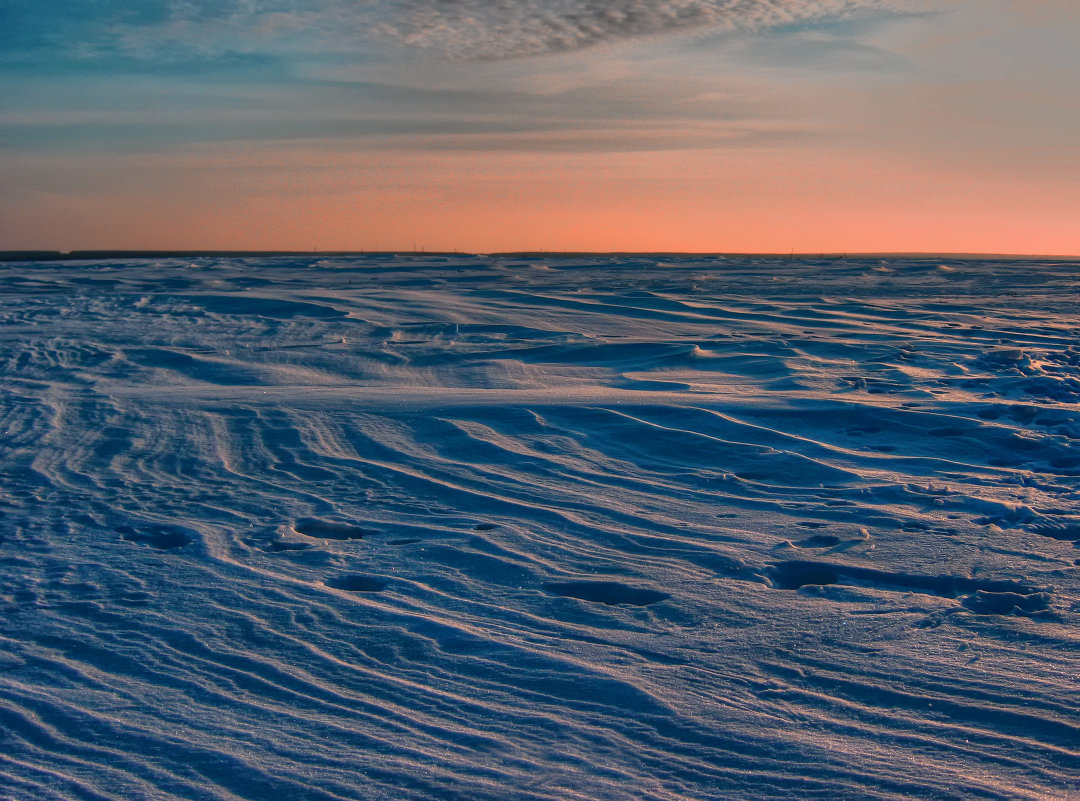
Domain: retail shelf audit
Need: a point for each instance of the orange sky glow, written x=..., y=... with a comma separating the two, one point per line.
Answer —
x=887, y=129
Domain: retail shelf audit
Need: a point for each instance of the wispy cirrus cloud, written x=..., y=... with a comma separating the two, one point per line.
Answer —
x=515, y=28
x=156, y=31
x=140, y=74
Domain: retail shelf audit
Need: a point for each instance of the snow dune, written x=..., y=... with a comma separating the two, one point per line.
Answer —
x=426, y=527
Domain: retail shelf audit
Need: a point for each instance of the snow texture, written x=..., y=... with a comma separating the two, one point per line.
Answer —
x=431, y=527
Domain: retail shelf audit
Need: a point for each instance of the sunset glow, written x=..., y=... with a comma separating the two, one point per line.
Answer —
x=811, y=127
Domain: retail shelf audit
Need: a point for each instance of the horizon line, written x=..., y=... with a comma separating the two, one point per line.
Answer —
x=99, y=254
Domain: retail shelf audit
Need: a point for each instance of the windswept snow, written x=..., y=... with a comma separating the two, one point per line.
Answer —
x=428, y=527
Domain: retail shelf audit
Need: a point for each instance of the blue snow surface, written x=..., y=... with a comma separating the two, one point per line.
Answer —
x=465, y=527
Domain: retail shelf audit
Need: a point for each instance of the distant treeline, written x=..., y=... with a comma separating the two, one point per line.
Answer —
x=74, y=255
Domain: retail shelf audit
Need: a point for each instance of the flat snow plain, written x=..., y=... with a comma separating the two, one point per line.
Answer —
x=429, y=527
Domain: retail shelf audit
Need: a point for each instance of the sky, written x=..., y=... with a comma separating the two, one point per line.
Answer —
x=495, y=125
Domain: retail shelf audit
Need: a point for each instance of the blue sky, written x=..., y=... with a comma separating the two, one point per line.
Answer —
x=196, y=122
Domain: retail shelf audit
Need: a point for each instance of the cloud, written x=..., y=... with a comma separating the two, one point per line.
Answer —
x=513, y=28
x=165, y=30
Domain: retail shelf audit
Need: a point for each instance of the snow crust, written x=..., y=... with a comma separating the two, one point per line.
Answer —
x=431, y=527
